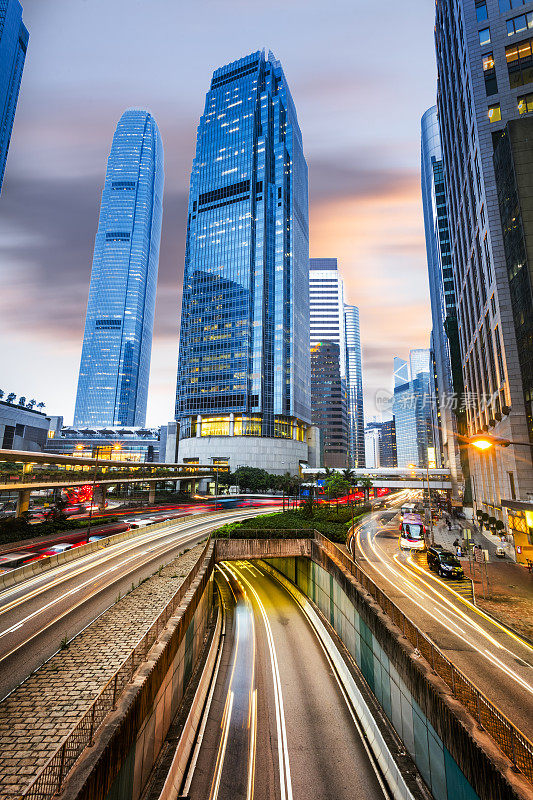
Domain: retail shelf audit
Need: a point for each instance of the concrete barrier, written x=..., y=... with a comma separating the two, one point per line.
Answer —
x=235, y=549
x=176, y=774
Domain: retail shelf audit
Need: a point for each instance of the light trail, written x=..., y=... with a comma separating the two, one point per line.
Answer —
x=444, y=610
x=283, y=751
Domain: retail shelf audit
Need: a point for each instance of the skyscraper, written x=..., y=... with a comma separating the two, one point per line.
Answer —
x=326, y=305
x=484, y=53
x=412, y=410
x=329, y=403
x=117, y=344
x=444, y=336
x=13, y=43
x=354, y=385
x=244, y=358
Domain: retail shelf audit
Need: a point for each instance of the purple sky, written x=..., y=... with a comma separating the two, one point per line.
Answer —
x=361, y=79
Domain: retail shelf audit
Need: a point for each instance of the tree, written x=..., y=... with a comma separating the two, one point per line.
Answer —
x=337, y=486
x=366, y=483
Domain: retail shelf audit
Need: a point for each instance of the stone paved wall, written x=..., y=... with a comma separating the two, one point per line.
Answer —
x=40, y=712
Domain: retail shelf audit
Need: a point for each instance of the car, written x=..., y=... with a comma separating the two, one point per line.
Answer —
x=56, y=549
x=94, y=539
x=11, y=561
x=444, y=563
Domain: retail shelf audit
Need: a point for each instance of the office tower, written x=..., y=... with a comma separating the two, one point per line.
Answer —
x=412, y=410
x=326, y=305
x=329, y=403
x=244, y=358
x=373, y=445
x=483, y=59
x=13, y=44
x=387, y=445
x=354, y=385
x=117, y=344
x=401, y=371
x=444, y=334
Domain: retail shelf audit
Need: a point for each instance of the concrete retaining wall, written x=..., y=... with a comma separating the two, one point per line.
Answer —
x=127, y=745
x=236, y=549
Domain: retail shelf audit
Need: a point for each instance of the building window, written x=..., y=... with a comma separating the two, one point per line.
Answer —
x=481, y=11
x=519, y=63
x=495, y=113
x=489, y=73
x=507, y=5
x=520, y=23
x=484, y=36
x=525, y=103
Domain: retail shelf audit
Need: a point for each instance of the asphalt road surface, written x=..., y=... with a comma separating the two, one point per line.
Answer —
x=37, y=613
x=496, y=660
x=278, y=726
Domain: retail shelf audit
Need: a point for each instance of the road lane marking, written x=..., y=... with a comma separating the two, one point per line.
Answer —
x=283, y=751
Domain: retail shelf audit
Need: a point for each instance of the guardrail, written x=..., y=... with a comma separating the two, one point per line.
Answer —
x=517, y=747
x=51, y=777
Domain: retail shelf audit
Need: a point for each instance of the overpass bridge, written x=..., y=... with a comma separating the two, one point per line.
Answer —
x=24, y=472
x=393, y=477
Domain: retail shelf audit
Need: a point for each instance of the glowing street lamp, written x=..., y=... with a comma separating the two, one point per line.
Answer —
x=483, y=442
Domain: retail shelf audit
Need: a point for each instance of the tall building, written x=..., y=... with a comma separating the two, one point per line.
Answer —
x=13, y=44
x=244, y=358
x=412, y=410
x=329, y=403
x=117, y=344
x=354, y=385
x=444, y=334
x=373, y=445
x=326, y=305
x=484, y=56
x=387, y=445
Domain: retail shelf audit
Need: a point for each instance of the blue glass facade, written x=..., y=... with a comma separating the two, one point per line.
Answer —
x=117, y=345
x=13, y=43
x=412, y=410
x=356, y=444
x=244, y=359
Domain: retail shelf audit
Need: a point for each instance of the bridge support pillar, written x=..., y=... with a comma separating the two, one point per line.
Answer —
x=99, y=496
x=151, y=493
x=23, y=502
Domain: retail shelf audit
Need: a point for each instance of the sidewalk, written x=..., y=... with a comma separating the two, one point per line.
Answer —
x=508, y=592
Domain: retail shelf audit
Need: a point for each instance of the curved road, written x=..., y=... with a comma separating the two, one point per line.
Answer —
x=495, y=659
x=37, y=613
x=278, y=726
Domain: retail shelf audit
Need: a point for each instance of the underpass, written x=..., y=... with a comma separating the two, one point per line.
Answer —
x=279, y=724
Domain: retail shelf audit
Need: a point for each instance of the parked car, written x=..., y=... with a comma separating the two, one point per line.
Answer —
x=444, y=563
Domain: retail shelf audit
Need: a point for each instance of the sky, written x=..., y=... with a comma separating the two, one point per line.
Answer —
x=361, y=80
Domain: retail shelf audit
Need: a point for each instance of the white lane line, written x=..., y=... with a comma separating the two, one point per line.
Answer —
x=283, y=751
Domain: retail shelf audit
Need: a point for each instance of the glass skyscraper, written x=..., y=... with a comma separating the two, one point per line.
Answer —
x=117, y=345
x=412, y=409
x=356, y=419
x=244, y=358
x=444, y=336
x=13, y=43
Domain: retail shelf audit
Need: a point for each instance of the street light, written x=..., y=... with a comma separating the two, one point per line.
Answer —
x=484, y=442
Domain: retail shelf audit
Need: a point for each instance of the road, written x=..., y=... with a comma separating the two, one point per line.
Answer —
x=278, y=726
x=496, y=660
x=36, y=614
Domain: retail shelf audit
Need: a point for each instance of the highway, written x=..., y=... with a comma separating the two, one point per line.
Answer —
x=37, y=613
x=495, y=659
x=278, y=725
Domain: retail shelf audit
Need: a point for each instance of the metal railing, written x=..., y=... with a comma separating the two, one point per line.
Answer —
x=49, y=781
x=516, y=746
